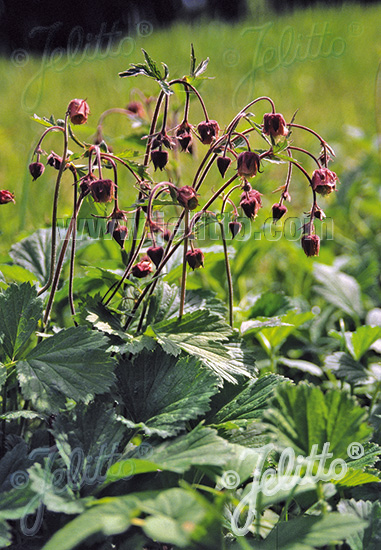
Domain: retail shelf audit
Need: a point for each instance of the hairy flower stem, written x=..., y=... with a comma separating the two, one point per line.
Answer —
x=150, y=288
x=72, y=252
x=293, y=148
x=54, y=213
x=288, y=180
x=126, y=271
x=60, y=263
x=145, y=163
x=184, y=267
x=228, y=273
x=99, y=133
x=293, y=125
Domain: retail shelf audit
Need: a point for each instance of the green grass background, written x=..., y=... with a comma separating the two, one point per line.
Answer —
x=333, y=83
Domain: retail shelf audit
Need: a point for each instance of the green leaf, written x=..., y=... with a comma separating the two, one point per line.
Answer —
x=369, y=538
x=280, y=329
x=71, y=364
x=270, y=304
x=33, y=253
x=249, y=404
x=152, y=65
x=201, y=67
x=54, y=488
x=17, y=274
x=5, y=534
x=304, y=366
x=3, y=371
x=204, y=335
x=200, y=447
x=43, y=121
x=362, y=340
x=15, y=415
x=345, y=367
x=354, y=478
x=88, y=435
x=165, y=303
x=174, y=516
x=306, y=533
x=171, y=391
x=109, y=516
x=339, y=289
x=303, y=416
x=20, y=311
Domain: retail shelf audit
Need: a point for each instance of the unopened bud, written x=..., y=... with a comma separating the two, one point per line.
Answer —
x=195, y=258
x=36, y=169
x=278, y=210
x=223, y=164
x=250, y=203
x=159, y=159
x=155, y=253
x=235, y=227
x=187, y=197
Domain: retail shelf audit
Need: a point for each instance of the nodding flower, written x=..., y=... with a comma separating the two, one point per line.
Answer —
x=208, y=131
x=78, y=111
x=324, y=181
x=102, y=190
x=250, y=203
x=274, y=125
x=311, y=245
x=248, y=164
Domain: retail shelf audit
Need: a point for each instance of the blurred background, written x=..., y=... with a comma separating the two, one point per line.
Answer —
x=320, y=59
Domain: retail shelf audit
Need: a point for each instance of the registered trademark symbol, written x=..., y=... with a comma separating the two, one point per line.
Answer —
x=355, y=450
x=355, y=28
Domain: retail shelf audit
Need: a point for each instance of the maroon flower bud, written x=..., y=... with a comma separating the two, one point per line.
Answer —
x=135, y=109
x=54, y=160
x=187, y=197
x=36, y=169
x=102, y=190
x=208, y=131
x=78, y=111
x=184, y=136
x=319, y=214
x=155, y=253
x=159, y=159
x=274, y=125
x=142, y=269
x=235, y=227
x=278, y=210
x=311, y=245
x=6, y=196
x=161, y=139
x=195, y=258
x=250, y=203
x=223, y=164
x=324, y=181
x=118, y=232
x=167, y=235
x=248, y=164
x=85, y=184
